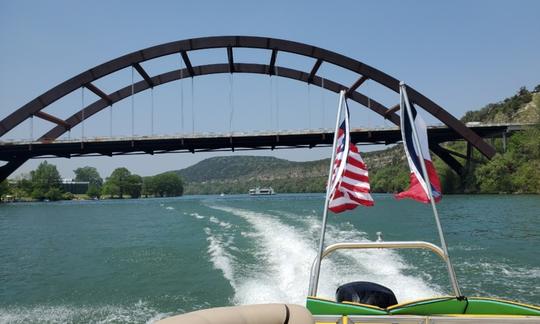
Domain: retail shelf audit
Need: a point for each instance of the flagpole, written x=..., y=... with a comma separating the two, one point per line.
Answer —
x=451, y=272
x=315, y=270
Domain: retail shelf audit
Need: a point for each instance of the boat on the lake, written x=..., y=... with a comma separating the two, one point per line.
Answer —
x=261, y=191
x=370, y=302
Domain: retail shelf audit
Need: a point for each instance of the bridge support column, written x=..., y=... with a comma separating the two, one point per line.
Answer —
x=445, y=155
x=10, y=167
x=469, y=157
x=504, y=141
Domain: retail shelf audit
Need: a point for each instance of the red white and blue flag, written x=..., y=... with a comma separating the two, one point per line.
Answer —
x=350, y=182
x=418, y=189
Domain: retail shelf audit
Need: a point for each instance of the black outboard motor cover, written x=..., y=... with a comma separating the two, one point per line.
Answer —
x=364, y=292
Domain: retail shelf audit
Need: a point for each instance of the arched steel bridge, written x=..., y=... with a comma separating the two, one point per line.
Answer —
x=183, y=48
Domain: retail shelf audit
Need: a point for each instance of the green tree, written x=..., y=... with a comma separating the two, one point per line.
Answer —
x=93, y=191
x=167, y=184
x=54, y=193
x=118, y=182
x=22, y=187
x=25, y=186
x=110, y=189
x=496, y=175
x=450, y=181
x=148, y=187
x=526, y=179
x=134, y=185
x=393, y=178
x=4, y=188
x=89, y=174
x=122, y=182
x=44, y=179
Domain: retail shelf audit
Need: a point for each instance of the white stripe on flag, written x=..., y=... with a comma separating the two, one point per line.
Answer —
x=356, y=170
x=355, y=183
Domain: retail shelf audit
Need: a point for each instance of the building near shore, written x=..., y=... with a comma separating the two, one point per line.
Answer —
x=75, y=187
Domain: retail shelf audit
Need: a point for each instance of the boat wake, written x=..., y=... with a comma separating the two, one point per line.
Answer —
x=136, y=313
x=220, y=258
x=284, y=254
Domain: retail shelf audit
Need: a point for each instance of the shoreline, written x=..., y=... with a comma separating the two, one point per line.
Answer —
x=29, y=200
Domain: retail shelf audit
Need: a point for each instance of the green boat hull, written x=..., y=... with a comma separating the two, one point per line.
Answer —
x=425, y=307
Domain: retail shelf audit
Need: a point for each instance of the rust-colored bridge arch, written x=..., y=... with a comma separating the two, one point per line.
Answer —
x=183, y=47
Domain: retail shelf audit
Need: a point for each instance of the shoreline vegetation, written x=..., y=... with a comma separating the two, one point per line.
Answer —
x=513, y=170
x=45, y=184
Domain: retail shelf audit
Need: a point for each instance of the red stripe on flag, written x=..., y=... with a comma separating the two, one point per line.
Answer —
x=353, y=187
x=355, y=176
x=363, y=201
x=356, y=163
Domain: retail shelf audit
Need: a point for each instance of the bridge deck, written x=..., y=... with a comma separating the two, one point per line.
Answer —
x=235, y=141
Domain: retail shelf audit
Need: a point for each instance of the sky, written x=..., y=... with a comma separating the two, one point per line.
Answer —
x=461, y=54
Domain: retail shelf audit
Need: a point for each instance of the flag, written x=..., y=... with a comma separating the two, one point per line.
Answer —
x=350, y=181
x=418, y=188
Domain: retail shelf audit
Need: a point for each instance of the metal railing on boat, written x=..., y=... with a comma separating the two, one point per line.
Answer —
x=313, y=281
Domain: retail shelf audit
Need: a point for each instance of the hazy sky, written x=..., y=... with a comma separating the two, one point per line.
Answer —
x=461, y=54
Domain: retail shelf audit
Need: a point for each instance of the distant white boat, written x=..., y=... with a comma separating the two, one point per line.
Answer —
x=222, y=194
x=261, y=191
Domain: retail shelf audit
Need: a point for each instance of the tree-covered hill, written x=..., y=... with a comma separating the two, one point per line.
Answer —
x=248, y=168
x=237, y=174
x=515, y=170
x=523, y=107
x=512, y=170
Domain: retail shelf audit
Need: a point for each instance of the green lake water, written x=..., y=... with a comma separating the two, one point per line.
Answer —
x=135, y=261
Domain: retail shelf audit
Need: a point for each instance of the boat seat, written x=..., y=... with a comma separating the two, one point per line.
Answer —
x=249, y=314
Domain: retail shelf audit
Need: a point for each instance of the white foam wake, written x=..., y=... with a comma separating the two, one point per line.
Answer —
x=219, y=257
x=196, y=215
x=139, y=312
x=220, y=223
x=286, y=256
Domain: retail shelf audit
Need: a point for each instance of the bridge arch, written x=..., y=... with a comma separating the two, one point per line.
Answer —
x=183, y=47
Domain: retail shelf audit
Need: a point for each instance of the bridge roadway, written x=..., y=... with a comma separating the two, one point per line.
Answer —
x=227, y=142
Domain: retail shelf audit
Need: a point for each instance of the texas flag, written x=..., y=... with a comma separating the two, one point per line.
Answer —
x=411, y=121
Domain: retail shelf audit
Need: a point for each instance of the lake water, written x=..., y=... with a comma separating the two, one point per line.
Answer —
x=140, y=260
